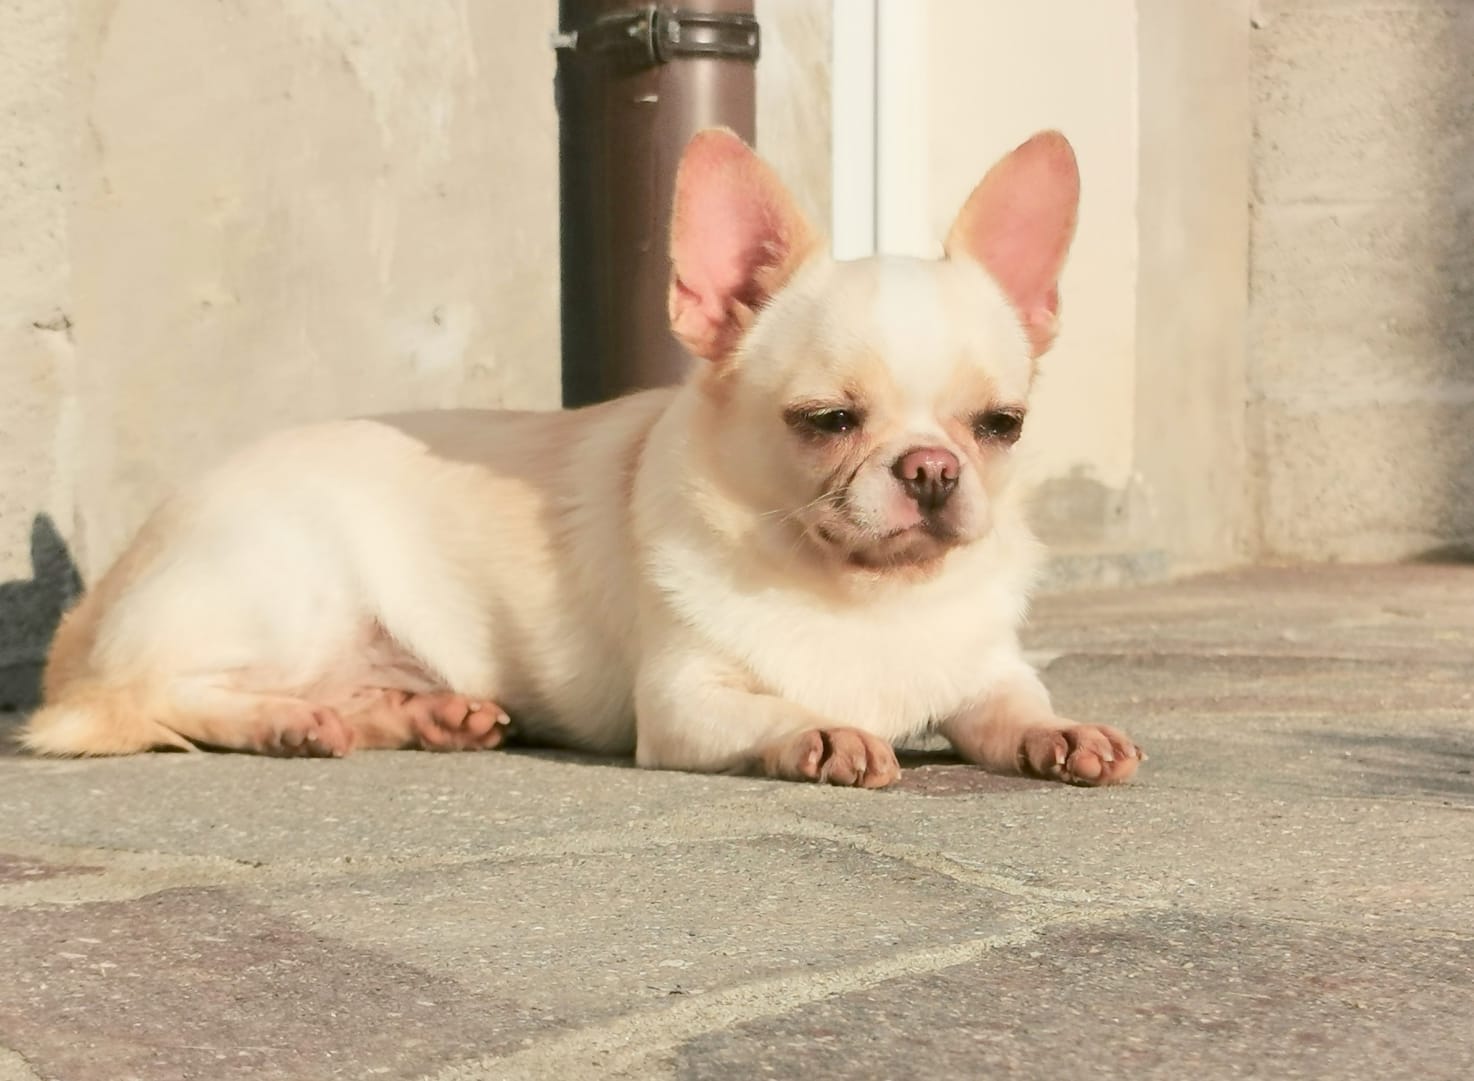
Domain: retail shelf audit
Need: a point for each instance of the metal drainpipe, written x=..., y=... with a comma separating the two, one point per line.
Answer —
x=633, y=85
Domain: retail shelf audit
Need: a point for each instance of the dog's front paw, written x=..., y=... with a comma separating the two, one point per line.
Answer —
x=842, y=756
x=1084, y=754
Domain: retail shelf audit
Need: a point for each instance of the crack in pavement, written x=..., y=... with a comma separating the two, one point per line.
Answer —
x=626, y=1046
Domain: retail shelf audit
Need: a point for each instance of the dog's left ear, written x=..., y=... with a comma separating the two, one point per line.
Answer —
x=736, y=238
x=1018, y=223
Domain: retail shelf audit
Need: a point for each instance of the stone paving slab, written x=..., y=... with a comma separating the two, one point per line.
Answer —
x=383, y=805
x=1170, y=997
x=1287, y=892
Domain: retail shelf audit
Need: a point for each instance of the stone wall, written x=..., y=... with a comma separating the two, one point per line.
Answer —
x=38, y=405
x=1137, y=441
x=1362, y=378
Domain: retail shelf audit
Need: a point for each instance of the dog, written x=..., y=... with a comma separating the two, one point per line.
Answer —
x=808, y=551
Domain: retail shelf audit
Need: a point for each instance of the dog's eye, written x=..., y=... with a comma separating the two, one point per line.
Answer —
x=834, y=421
x=998, y=426
x=829, y=421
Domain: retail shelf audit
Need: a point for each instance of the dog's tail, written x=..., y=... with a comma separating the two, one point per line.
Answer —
x=86, y=712
x=99, y=721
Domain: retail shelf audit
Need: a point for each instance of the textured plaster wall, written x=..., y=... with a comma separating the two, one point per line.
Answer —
x=1136, y=439
x=38, y=418
x=1363, y=278
x=1190, y=499
x=294, y=209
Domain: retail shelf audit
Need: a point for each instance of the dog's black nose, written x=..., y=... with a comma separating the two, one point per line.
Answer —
x=928, y=474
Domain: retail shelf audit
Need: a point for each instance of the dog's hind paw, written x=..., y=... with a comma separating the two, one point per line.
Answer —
x=308, y=732
x=452, y=722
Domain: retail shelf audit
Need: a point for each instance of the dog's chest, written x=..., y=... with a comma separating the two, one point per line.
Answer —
x=888, y=676
x=891, y=668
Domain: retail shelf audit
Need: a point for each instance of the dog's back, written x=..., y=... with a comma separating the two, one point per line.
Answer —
x=473, y=550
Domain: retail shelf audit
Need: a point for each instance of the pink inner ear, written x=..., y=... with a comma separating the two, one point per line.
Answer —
x=725, y=240
x=734, y=234
x=1018, y=223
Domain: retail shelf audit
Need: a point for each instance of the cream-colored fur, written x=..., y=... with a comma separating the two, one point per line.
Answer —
x=697, y=575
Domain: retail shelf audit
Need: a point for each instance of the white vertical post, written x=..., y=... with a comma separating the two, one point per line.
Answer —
x=902, y=136
x=853, y=120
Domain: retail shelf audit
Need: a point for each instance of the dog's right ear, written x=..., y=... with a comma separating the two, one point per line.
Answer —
x=736, y=238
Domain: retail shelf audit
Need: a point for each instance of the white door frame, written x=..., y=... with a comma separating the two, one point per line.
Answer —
x=879, y=183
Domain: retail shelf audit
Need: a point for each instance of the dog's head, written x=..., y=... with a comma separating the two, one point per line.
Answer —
x=866, y=410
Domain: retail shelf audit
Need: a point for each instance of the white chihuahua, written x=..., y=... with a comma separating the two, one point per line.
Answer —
x=808, y=551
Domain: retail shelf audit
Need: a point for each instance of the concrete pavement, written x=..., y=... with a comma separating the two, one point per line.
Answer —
x=1287, y=891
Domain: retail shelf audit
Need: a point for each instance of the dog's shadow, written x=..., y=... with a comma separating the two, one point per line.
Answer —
x=30, y=609
x=927, y=769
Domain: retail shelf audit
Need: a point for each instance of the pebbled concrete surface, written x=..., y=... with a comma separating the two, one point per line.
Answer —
x=1288, y=892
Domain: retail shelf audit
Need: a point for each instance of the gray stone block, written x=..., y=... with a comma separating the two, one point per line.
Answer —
x=642, y=926
x=1365, y=481
x=1162, y=996
x=197, y=983
x=1355, y=102
x=384, y=805
x=1375, y=299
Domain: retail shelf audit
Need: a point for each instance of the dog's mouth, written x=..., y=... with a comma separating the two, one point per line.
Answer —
x=914, y=546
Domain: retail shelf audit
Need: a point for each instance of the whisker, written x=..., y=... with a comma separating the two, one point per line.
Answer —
x=831, y=497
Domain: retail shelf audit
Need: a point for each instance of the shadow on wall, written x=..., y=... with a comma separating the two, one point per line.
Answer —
x=30, y=609
x=1450, y=276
